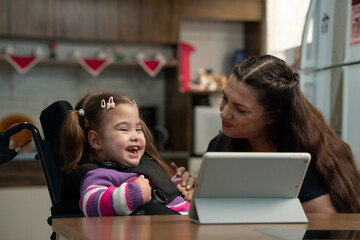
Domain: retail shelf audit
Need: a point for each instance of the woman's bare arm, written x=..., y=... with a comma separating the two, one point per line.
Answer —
x=320, y=204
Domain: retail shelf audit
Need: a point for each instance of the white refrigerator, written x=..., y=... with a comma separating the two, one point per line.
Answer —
x=330, y=65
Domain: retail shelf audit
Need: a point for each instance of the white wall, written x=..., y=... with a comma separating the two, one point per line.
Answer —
x=285, y=22
x=214, y=43
x=24, y=212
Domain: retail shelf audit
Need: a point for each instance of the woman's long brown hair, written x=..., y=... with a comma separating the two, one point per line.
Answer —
x=74, y=145
x=300, y=127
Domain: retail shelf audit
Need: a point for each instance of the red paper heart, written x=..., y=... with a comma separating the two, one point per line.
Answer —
x=152, y=67
x=22, y=63
x=94, y=66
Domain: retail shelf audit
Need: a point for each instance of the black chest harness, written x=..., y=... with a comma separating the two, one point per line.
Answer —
x=163, y=190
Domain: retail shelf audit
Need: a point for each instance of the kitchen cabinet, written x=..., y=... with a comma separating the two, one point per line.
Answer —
x=180, y=116
x=159, y=21
x=21, y=173
x=129, y=20
x=118, y=20
x=255, y=38
x=21, y=18
x=75, y=19
x=107, y=26
x=148, y=21
x=107, y=20
x=226, y=10
x=86, y=20
x=59, y=19
x=3, y=16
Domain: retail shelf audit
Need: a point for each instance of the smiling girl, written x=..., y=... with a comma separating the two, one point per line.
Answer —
x=126, y=172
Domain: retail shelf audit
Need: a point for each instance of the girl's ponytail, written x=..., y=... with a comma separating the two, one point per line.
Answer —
x=72, y=140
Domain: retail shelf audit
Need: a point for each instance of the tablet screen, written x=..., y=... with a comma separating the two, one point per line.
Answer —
x=251, y=175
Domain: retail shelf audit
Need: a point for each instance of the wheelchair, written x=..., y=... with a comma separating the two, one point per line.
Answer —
x=63, y=187
x=51, y=119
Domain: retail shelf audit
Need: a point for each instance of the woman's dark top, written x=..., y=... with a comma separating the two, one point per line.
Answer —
x=313, y=186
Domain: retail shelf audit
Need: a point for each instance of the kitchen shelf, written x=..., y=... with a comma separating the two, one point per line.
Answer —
x=173, y=63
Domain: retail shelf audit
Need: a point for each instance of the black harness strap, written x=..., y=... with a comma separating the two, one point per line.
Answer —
x=163, y=189
x=71, y=181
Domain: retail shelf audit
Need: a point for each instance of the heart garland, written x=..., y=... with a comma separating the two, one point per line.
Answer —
x=151, y=66
x=94, y=66
x=22, y=63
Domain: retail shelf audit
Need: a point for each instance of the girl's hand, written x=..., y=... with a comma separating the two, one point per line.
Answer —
x=187, y=181
x=145, y=188
x=188, y=193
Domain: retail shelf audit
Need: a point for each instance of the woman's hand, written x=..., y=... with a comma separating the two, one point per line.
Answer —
x=145, y=187
x=187, y=183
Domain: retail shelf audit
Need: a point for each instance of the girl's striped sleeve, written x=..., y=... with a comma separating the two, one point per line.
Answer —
x=106, y=192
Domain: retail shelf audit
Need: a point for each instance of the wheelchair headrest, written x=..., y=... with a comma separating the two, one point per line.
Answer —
x=52, y=117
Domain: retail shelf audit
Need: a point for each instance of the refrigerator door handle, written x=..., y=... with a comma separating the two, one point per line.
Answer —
x=304, y=48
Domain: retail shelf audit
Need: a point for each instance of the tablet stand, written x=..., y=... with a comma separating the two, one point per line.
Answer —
x=247, y=210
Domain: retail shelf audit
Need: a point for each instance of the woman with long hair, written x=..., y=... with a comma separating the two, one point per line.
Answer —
x=264, y=110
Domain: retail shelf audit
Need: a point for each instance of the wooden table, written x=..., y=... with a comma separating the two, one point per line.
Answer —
x=181, y=228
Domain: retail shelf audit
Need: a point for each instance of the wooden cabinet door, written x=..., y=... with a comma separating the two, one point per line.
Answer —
x=148, y=20
x=107, y=20
x=86, y=20
x=106, y=14
x=224, y=10
x=75, y=19
x=27, y=18
x=129, y=20
x=3, y=17
x=159, y=21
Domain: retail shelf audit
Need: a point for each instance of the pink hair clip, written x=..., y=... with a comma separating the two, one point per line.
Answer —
x=110, y=103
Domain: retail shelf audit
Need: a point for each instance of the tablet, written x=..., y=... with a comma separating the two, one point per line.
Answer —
x=251, y=175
